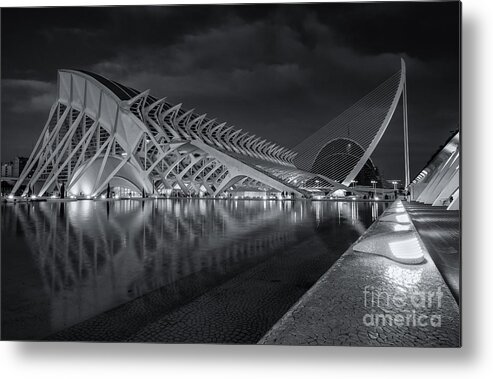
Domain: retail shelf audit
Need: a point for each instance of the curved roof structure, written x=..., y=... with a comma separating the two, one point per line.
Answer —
x=102, y=134
x=123, y=92
x=357, y=130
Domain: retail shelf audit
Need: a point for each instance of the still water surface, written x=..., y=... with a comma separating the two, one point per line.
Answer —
x=65, y=264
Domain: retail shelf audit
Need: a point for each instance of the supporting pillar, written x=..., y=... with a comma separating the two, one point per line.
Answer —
x=407, y=179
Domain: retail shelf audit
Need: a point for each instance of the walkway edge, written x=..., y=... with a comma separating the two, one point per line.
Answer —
x=332, y=313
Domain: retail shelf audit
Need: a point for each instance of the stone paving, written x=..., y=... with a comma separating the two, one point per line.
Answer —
x=370, y=300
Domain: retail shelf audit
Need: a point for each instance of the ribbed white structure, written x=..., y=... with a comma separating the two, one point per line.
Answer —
x=438, y=183
x=100, y=133
x=340, y=149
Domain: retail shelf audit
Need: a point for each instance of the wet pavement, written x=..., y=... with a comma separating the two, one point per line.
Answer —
x=370, y=300
x=166, y=270
x=240, y=310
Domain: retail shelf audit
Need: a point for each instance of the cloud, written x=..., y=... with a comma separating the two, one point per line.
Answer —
x=27, y=96
x=280, y=71
x=246, y=72
x=250, y=59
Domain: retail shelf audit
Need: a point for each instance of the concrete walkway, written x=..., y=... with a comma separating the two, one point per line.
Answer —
x=371, y=300
x=439, y=230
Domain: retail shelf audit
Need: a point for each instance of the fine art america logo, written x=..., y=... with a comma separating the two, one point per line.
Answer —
x=413, y=309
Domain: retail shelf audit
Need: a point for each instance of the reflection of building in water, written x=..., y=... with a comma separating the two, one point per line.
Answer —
x=374, y=211
x=94, y=256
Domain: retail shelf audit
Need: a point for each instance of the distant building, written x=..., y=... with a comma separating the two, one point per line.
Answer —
x=19, y=164
x=14, y=169
x=7, y=169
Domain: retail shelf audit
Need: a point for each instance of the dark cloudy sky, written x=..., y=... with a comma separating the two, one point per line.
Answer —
x=280, y=71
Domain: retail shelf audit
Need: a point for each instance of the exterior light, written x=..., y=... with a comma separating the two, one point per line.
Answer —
x=33, y=196
x=11, y=196
x=124, y=154
x=88, y=197
x=117, y=196
x=402, y=218
x=103, y=196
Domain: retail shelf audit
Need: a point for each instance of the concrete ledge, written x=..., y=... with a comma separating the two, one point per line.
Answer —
x=370, y=300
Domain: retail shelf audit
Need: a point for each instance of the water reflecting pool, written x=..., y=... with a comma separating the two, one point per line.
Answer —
x=166, y=270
